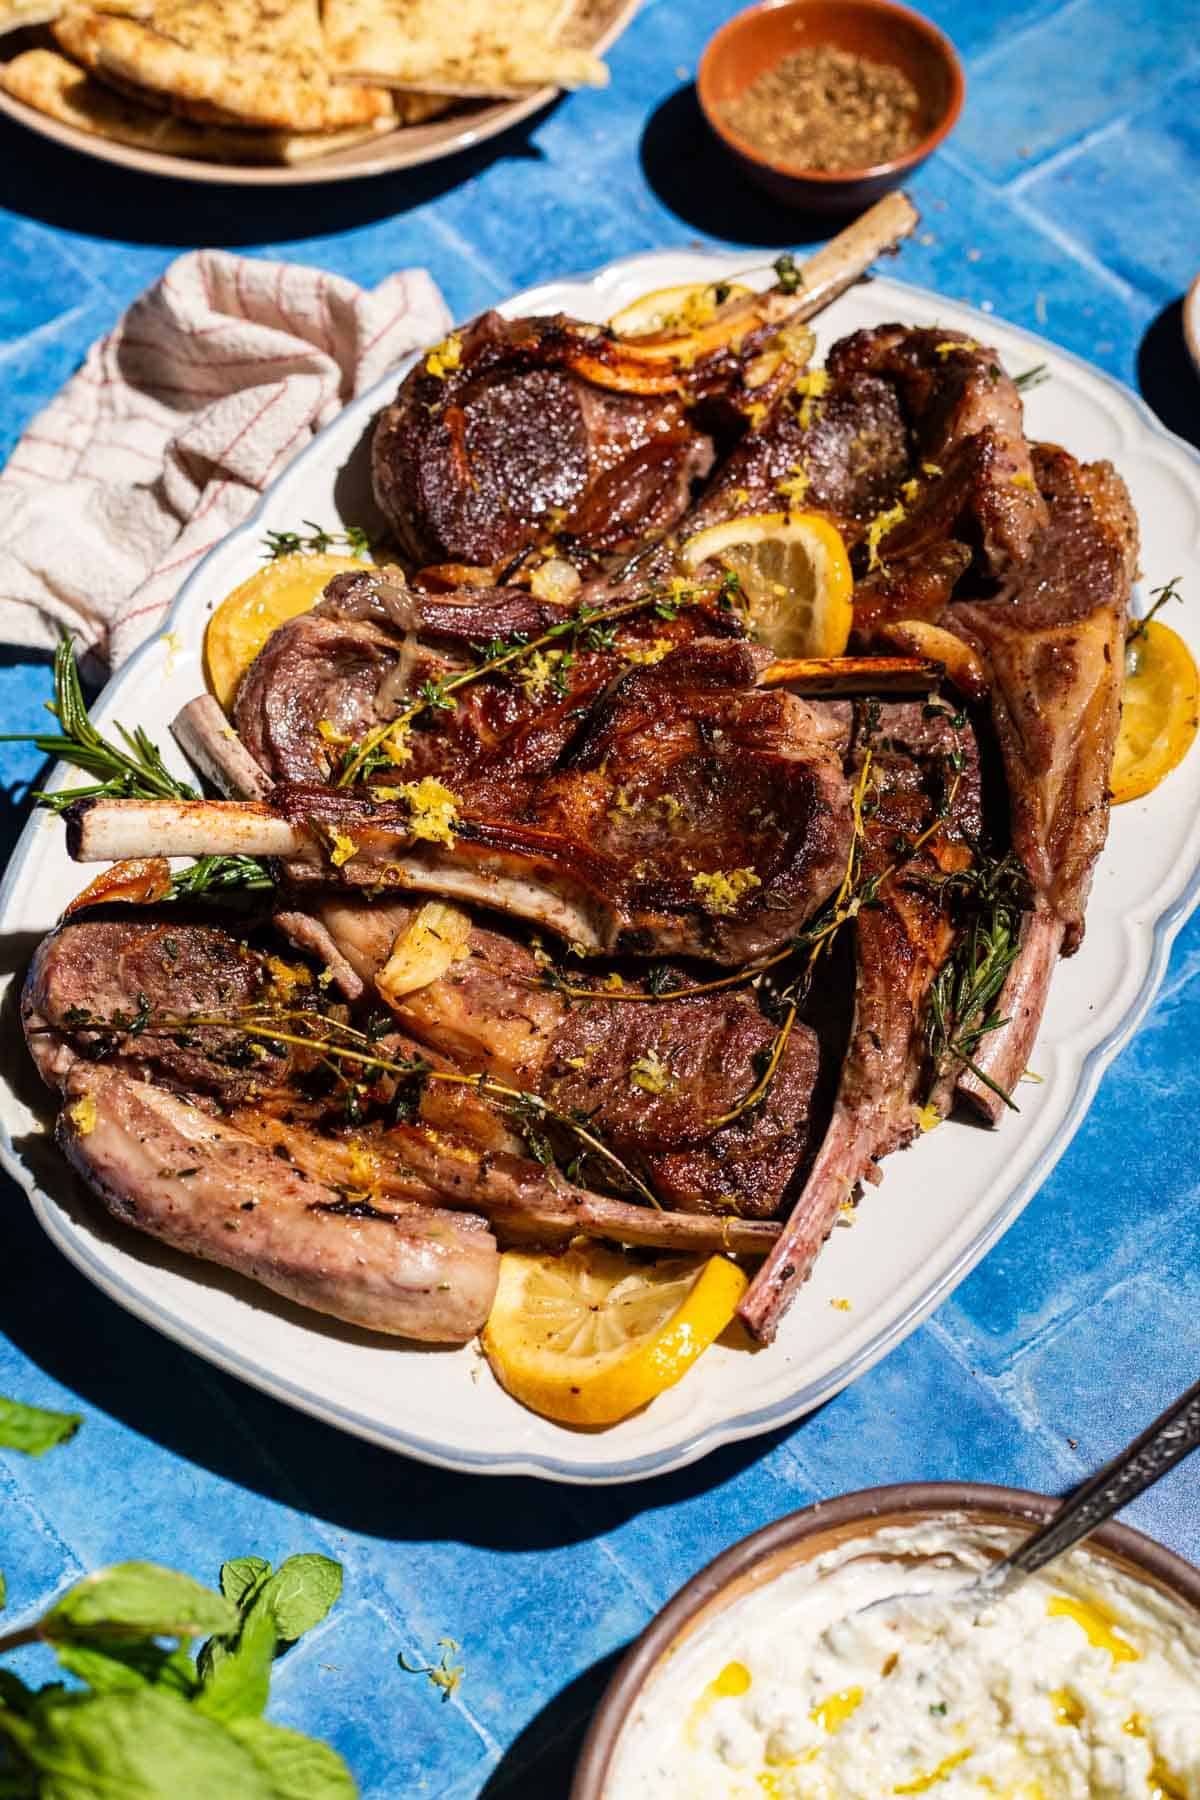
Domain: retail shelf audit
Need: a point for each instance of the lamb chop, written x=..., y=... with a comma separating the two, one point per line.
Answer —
x=236, y=1147
x=328, y=677
x=143, y=1126
x=517, y=432
x=690, y=811
x=650, y=1075
x=921, y=815
x=1053, y=643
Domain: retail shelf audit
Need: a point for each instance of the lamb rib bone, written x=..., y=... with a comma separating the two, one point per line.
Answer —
x=210, y=743
x=847, y=257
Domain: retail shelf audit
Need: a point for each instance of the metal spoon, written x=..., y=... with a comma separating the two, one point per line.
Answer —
x=1172, y=1436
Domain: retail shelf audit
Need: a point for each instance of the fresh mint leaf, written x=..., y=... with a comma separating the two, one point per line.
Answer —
x=235, y=1669
x=123, y=1668
x=236, y=1672
x=146, y=1745
x=241, y=1578
x=299, y=1768
x=137, y=1599
x=32, y=1429
x=302, y=1592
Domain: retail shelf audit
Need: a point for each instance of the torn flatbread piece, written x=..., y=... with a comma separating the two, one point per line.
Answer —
x=61, y=90
x=475, y=48
x=250, y=62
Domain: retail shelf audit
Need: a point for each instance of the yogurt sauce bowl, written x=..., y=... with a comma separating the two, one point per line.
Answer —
x=763, y=1678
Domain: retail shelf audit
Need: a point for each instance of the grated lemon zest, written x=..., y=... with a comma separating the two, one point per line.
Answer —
x=722, y=889
x=445, y=356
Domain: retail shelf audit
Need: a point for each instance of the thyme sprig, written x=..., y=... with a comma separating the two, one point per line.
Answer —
x=961, y=1008
x=1031, y=378
x=130, y=769
x=585, y=628
x=317, y=541
x=342, y=1046
x=1159, y=596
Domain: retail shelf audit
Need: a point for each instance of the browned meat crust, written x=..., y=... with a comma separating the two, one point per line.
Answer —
x=1053, y=640
x=901, y=940
x=690, y=813
x=477, y=463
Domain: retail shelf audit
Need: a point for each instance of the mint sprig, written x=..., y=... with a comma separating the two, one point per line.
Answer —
x=148, y=1722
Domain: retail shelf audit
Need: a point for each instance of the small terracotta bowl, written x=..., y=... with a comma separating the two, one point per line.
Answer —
x=802, y=1535
x=763, y=35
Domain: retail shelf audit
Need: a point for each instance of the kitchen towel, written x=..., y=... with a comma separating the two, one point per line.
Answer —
x=178, y=419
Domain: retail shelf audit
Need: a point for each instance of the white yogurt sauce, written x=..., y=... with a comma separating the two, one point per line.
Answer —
x=1082, y=1685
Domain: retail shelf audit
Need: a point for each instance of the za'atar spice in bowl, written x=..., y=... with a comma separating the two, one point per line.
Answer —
x=829, y=103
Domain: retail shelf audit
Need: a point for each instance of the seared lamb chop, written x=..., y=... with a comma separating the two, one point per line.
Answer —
x=514, y=432
x=953, y=390
x=228, y=1147
x=650, y=1075
x=1053, y=643
x=512, y=428
x=902, y=938
x=361, y=655
x=202, y=1186
x=141, y=1122
x=690, y=812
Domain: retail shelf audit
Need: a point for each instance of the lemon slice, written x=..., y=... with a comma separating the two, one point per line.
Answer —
x=678, y=310
x=795, y=578
x=246, y=618
x=1160, y=702
x=589, y=1336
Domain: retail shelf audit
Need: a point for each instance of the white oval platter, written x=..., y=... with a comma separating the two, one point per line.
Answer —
x=940, y=1205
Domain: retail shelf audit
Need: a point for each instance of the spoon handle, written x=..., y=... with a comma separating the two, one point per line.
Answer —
x=1173, y=1435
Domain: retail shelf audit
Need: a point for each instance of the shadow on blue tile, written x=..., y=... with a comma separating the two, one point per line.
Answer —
x=1167, y=376
x=697, y=180
x=542, y=1759
x=70, y=192
x=88, y=1346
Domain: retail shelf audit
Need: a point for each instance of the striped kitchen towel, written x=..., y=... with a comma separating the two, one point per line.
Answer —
x=164, y=439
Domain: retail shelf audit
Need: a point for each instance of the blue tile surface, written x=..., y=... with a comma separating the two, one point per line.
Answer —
x=1066, y=202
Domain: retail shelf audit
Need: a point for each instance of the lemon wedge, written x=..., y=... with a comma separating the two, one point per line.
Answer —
x=795, y=578
x=675, y=310
x=589, y=1336
x=1160, y=709
x=246, y=618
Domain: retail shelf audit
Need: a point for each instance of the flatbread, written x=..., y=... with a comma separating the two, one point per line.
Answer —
x=16, y=14
x=471, y=48
x=255, y=62
x=49, y=82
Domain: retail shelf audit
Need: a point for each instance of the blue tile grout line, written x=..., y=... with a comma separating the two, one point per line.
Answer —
x=1064, y=201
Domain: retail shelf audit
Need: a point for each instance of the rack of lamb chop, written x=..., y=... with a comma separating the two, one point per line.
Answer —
x=607, y=920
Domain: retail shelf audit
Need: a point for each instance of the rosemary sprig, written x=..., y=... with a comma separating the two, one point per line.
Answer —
x=316, y=541
x=131, y=769
x=135, y=771
x=586, y=626
x=961, y=1009
x=1031, y=378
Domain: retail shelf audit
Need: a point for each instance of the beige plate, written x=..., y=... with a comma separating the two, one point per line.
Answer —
x=600, y=25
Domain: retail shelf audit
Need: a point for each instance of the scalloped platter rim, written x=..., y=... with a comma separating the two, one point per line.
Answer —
x=913, y=1238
